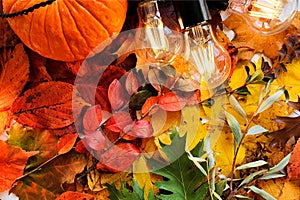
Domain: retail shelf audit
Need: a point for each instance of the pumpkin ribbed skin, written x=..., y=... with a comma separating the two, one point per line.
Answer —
x=66, y=30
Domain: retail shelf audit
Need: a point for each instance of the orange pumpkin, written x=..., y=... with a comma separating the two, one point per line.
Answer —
x=66, y=30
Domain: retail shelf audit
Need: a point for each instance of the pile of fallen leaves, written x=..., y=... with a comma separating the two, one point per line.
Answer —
x=134, y=132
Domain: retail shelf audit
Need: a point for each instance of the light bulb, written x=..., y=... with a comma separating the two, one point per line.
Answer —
x=160, y=43
x=211, y=59
x=266, y=17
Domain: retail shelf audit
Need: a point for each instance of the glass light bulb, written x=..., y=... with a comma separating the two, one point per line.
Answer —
x=266, y=17
x=210, y=58
x=160, y=43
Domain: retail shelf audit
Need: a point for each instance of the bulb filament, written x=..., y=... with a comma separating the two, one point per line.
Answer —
x=265, y=9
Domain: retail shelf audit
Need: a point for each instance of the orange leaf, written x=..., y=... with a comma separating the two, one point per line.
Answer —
x=49, y=106
x=80, y=147
x=12, y=162
x=171, y=102
x=14, y=74
x=4, y=121
x=118, y=158
x=294, y=164
x=66, y=143
x=149, y=104
x=92, y=118
x=75, y=195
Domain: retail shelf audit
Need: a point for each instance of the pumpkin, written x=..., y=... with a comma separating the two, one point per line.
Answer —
x=66, y=30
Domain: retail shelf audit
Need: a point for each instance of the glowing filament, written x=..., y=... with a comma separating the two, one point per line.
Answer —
x=266, y=9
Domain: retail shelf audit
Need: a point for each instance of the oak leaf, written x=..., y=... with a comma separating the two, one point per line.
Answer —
x=49, y=106
x=118, y=158
x=12, y=163
x=14, y=74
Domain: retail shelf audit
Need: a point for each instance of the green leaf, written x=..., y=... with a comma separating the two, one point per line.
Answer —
x=269, y=101
x=237, y=106
x=235, y=128
x=262, y=193
x=243, y=91
x=242, y=197
x=281, y=165
x=124, y=193
x=220, y=186
x=169, y=70
x=257, y=163
x=256, y=129
x=251, y=176
x=272, y=176
x=46, y=182
x=33, y=140
x=182, y=179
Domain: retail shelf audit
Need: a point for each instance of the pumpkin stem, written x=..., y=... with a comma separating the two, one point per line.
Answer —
x=28, y=10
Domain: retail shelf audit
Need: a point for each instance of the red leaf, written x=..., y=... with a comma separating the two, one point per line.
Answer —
x=149, y=104
x=92, y=118
x=80, y=147
x=118, y=121
x=294, y=164
x=171, y=102
x=49, y=106
x=12, y=162
x=142, y=129
x=111, y=72
x=132, y=82
x=117, y=95
x=75, y=195
x=94, y=140
x=66, y=143
x=14, y=73
x=119, y=157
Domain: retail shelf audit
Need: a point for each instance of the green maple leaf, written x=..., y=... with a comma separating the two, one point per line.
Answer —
x=124, y=193
x=182, y=179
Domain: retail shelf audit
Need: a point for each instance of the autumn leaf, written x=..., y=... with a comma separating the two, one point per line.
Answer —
x=110, y=74
x=30, y=139
x=4, y=121
x=132, y=82
x=118, y=158
x=149, y=104
x=49, y=105
x=47, y=182
x=141, y=129
x=75, y=195
x=117, y=95
x=14, y=73
x=94, y=140
x=66, y=143
x=294, y=164
x=119, y=121
x=12, y=163
x=171, y=102
x=92, y=118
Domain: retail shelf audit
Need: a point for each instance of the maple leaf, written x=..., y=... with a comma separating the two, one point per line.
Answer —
x=49, y=106
x=30, y=139
x=46, y=183
x=12, y=162
x=14, y=73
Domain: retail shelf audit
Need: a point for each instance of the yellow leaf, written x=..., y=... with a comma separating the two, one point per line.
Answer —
x=94, y=181
x=162, y=121
x=291, y=79
x=142, y=175
x=165, y=138
x=4, y=120
x=224, y=152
